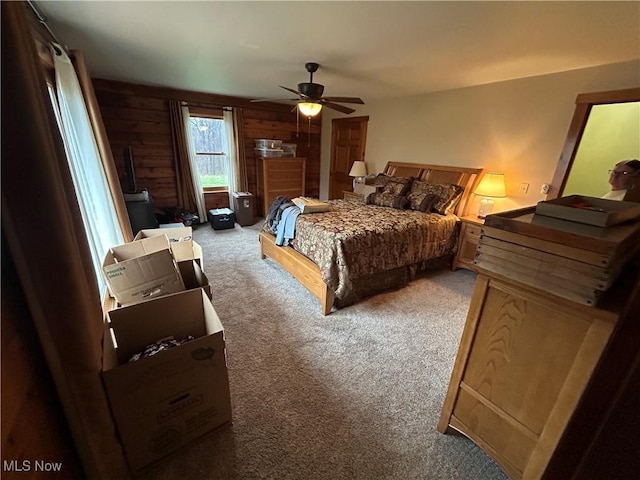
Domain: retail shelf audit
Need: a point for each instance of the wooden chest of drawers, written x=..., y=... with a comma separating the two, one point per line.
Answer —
x=532, y=341
x=279, y=176
x=575, y=261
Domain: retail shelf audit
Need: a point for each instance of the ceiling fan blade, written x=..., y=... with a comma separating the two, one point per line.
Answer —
x=335, y=106
x=294, y=91
x=275, y=100
x=344, y=100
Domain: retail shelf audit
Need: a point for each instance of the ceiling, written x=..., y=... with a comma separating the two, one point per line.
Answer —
x=371, y=49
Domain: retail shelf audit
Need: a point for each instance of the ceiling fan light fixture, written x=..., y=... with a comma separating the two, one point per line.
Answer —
x=310, y=109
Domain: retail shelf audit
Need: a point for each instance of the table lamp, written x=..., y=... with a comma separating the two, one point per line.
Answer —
x=491, y=186
x=358, y=171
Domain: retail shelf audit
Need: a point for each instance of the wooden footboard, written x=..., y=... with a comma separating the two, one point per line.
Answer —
x=300, y=267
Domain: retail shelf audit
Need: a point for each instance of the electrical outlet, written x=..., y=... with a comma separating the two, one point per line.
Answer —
x=545, y=188
x=524, y=188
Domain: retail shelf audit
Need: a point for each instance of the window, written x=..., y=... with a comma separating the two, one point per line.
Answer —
x=210, y=143
x=91, y=187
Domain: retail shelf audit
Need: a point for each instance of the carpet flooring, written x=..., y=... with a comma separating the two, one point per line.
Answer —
x=353, y=395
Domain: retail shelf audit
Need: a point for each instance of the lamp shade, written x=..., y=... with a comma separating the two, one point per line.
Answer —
x=358, y=169
x=491, y=185
x=309, y=109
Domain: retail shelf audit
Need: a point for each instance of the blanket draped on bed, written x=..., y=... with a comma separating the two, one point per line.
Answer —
x=356, y=243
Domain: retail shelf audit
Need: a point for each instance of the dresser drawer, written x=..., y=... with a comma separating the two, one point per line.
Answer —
x=472, y=230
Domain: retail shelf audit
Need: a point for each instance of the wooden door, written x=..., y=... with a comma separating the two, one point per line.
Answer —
x=348, y=139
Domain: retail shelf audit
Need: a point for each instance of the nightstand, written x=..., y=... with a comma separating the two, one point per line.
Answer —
x=468, y=242
x=354, y=197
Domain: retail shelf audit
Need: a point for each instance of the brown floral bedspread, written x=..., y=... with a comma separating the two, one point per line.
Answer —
x=354, y=241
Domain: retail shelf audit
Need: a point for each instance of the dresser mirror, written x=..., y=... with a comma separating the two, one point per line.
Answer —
x=605, y=129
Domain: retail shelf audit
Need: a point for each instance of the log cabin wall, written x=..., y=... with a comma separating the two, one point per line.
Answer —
x=138, y=115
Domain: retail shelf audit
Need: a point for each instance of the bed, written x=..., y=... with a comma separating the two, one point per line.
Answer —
x=356, y=249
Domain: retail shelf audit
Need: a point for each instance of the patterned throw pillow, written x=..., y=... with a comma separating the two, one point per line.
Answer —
x=383, y=199
x=420, y=197
x=422, y=202
x=455, y=198
x=397, y=185
x=381, y=180
x=446, y=196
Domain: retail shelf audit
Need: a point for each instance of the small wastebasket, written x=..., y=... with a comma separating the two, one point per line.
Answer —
x=243, y=208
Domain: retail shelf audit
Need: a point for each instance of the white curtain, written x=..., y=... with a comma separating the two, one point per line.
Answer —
x=232, y=154
x=195, y=172
x=89, y=179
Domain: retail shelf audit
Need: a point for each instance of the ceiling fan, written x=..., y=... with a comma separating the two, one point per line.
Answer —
x=310, y=99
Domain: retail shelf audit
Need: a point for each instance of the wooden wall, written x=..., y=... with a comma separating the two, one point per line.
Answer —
x=138, y=115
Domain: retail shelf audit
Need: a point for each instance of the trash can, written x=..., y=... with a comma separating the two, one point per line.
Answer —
x=243, y=208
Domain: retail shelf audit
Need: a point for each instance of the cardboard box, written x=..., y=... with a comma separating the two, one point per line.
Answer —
x=180, y=241
x=194, y=277
x=141, y=270
x=163, y=402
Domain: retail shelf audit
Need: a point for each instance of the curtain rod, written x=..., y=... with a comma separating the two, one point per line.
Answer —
x=184, y=103
x=43, y=21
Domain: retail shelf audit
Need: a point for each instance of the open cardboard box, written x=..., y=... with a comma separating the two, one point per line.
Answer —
x=180, y=241
x=194, y=277
x=163, y=402
x=141, y=270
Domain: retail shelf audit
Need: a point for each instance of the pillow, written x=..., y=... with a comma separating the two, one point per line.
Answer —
x=383, y=199
x=370, y=179
x=422, y=202
x=455, y=198
x=381, y=180
x=446, y=196
x=397, y=185
x=420, y=196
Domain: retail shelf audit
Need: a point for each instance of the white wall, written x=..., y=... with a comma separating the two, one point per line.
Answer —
x=518, y=127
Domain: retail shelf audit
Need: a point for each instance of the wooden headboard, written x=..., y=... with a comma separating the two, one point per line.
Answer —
x=464, y=176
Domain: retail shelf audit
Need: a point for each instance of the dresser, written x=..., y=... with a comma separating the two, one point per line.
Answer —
x=278, y=176
x=534, y=335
